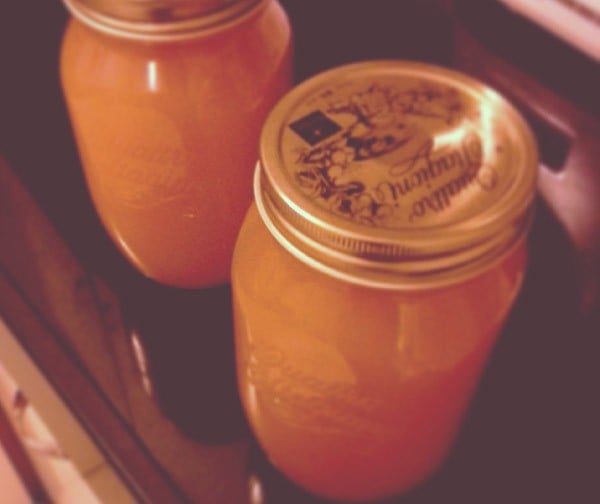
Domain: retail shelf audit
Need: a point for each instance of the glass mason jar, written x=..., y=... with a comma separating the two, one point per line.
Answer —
x=166, y=99
x=374, y=273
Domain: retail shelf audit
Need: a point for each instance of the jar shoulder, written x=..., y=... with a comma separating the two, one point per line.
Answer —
x=265, y=274
x=283, y=305
x=258, y=46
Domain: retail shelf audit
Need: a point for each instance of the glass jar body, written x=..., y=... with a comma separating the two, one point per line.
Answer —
x=167, y=131
x=354, y=392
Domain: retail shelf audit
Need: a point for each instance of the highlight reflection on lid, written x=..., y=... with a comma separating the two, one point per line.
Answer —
x=396, y=174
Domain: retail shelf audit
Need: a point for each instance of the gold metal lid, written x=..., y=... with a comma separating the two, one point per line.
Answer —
x=396, y=174
x=158, y=19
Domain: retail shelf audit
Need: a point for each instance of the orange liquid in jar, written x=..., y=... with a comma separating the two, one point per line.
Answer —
x=167, y=135
x=357, y=392
x=373, y=274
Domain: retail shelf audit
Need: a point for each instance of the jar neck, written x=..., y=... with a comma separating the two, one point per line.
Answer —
x=160, y=20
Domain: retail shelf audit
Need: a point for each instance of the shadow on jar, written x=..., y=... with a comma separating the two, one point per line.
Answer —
x=529, y=420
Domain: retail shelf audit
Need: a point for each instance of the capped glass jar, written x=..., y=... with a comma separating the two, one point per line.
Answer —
x=166, y=99
x=373, y=274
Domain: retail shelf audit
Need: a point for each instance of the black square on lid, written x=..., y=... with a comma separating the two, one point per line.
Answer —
x=315, y=127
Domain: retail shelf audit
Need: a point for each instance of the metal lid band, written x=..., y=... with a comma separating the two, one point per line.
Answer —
x=396, y=174
x=160, y=20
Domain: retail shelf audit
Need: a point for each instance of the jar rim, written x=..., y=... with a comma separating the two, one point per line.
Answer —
x=160, y=20
x=468, y=226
